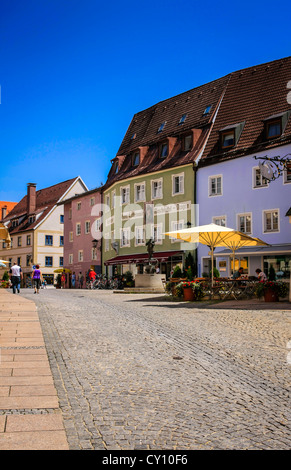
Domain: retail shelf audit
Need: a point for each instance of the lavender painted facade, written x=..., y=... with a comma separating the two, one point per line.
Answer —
x=242, y=200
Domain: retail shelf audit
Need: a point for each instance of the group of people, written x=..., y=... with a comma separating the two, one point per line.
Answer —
x=17, y=275
x=90, y=275
x=261, y=275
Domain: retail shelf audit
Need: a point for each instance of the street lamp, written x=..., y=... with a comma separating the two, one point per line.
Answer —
x=272, y=168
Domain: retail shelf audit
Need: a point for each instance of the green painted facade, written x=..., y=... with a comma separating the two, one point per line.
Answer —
x=128, y=225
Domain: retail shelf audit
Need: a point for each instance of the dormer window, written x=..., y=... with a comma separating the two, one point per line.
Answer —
x=183, y=119
x=187, y=142
x=164, y=150
x=115, y=168
x=229, y=135
x=161, y=128
x=227, y=139
x=275, y=125
x=273, y=129
x=135, y=159
x=133, y=136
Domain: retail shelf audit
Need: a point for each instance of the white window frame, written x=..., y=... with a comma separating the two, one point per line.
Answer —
x=79, y=206
x=181, y=177
x=92, y=201
x=113, y=199
x=255, y=186
x=87, y=227
x=98, y=224
x=285, y=180
x=107, y=203
x=143, y=198
x=176, y=226
x=210, y=178
x=94, y=254
x=270, y=211
x=137, y=238
x=245, y=214
x=80, y=256
x=159, y=228
x=125, y=200
x=78, y=229
x=71, y=257
x=159, y=181
x=122, y=232
x=220, y=218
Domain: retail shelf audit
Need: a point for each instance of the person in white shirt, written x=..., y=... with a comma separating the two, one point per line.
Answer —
x=16, y=276
x=261, y=275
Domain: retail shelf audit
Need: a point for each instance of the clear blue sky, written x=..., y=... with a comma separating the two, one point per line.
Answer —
x=74, y=72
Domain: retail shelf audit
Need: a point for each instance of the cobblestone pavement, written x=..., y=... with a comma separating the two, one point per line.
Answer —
x=141, y=372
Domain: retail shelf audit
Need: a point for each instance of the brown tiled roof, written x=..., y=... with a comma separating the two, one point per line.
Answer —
x=45, y=200
x=9, y=205
x=252, y=95
x=145, y=124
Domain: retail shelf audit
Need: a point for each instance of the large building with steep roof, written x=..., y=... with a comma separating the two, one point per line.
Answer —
x=172, y=161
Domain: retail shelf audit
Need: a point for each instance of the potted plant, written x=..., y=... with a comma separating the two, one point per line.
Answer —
x=197, y=288
x=271, y=290
x=177, y=274
x=178, y=292
x=188, y=292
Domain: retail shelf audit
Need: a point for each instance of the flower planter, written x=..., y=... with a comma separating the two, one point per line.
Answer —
x=188, y=293
x=271, y=296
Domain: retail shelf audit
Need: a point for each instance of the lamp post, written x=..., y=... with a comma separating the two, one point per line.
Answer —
x=272, y=168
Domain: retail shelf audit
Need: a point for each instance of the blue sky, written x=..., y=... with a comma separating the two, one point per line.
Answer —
x=73, y=73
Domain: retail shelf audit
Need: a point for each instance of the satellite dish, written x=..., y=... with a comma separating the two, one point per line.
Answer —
x=266, y=170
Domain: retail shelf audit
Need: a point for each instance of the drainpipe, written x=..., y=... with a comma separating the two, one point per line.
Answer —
x=195, y=200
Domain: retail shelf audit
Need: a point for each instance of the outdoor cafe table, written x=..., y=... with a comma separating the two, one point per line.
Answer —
x=226, y=288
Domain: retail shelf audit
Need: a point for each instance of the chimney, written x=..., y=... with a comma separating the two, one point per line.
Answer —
x=4, y=212
x=31, y=198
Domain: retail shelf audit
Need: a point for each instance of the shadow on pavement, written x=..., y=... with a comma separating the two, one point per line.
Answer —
x=253, y=304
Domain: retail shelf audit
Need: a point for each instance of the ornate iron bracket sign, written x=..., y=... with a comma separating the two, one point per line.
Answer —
x=272, y=168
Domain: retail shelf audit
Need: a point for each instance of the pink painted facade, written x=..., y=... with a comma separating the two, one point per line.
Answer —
x=82, y=223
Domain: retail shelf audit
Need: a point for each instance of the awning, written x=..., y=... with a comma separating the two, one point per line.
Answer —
x=141, y=257
x=259, y=250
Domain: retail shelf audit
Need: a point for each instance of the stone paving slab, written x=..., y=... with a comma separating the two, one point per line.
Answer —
x=30, y=416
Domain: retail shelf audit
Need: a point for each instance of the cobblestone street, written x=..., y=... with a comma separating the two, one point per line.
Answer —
x=141, y=372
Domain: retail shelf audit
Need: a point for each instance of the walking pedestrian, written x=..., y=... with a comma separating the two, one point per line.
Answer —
x=16, y=276
x=37, y=279
x=63, y=279
x=73, y=280
x=80, y=280
x=92, y=277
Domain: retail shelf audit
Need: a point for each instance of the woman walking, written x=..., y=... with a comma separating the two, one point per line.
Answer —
x=37, y=279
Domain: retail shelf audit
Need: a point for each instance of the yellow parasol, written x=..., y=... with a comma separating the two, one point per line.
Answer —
x=213, y=236
x=62, y=270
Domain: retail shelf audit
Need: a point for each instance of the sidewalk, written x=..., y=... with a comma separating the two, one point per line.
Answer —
x=30, y=417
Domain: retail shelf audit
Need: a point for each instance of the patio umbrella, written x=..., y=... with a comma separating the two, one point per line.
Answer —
x=61, y=270
x=2, y=265
x=212, y=235
x=4, y=235
x=236, y=243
